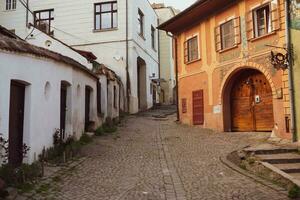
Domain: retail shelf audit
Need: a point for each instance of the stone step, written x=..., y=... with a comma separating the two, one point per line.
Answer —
x=295, y=175
x=280, y=158
x=270, y=149
x=289, y=168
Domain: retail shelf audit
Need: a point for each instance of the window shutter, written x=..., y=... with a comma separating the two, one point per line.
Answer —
x=186, y=52
x=274, y=15
x=250, y=25
x=237, y=30
x=184, y=105
x=218, y=38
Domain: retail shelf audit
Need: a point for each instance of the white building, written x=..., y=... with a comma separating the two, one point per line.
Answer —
x=121, y=33
x=42, y=91
x=167, y=65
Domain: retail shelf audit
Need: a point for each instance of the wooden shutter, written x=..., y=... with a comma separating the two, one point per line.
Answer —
x=184, y=105
x=186, y=53
x=250, y=25
x=274, y=13
x=198, y=108
x=237, y=30
x=218, y=38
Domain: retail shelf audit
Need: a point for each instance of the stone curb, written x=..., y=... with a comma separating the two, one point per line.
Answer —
x=250, y=175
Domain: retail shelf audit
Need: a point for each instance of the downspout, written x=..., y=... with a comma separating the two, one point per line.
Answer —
x=290, y=71
x=127, y=62
x=27, y=14
x=159, y=59
x=176, y=72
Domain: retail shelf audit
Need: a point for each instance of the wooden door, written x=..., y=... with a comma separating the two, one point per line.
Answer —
x=154, y=95
x=87, y=107
x=198, y=108
x=139, y=86
x=16, y=124
x=263, y=109
x=251, y=103
x=63, y=110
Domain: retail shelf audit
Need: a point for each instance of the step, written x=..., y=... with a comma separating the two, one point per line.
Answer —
x=270, y=149
x=288, y=168
x=295, y=175
x=280, y=158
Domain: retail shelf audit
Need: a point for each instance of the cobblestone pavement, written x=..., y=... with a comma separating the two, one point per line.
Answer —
x=159, y=159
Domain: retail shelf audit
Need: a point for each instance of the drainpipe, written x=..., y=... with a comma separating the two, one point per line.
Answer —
x=127, y=62
x=159, y=59
x=290, y=71
x=27, y=14
x=176, y=72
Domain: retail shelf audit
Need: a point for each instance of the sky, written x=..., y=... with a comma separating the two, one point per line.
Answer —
x=178, y=4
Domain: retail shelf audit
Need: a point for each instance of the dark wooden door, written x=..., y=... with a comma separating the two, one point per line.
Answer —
x=16, y=124
x=251, y=103
x=87, y=107
x=154, y=95
x=63, y=110
x=198, y=108
x=139, y=86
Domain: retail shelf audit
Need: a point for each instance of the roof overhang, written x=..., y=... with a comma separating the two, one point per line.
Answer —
x=199, y=11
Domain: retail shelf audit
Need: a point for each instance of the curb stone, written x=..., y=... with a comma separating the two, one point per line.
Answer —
x=250, y=175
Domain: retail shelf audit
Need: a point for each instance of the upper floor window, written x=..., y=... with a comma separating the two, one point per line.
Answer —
x=11, y=4
x=153, y=37
x=43, y=20
x=106, y=15
x=191, y=51
x=227, y=35
x=262, y=21
x=141, y=23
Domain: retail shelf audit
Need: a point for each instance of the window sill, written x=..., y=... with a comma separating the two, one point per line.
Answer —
x=104, y=30
x=228, y=49
x=154, y=49
x=190, y=62
x=12, y=10
x=263, y=36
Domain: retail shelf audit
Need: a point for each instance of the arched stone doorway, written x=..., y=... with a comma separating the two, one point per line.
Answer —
x=248, y=102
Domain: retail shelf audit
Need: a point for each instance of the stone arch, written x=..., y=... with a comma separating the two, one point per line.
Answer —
x=227, y=84
x=246, y=65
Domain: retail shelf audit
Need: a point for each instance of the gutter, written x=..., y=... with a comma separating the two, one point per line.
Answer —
x=290, y=71
x=176, y=72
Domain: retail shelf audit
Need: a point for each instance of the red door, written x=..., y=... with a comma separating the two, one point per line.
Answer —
x=16, y=123
x=198, y=108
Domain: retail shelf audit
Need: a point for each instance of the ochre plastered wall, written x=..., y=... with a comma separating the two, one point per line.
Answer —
x=214, y=69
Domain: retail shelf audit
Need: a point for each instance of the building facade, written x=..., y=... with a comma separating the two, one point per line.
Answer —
x=227, y=80
x=166, y=56
x=295, y=44
x=120, y=33
x=42, y=92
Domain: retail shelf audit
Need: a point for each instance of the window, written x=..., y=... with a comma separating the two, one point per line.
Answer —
x=227, y=34
x=11, y=4
x=191, y=50
x=262, y=21
x=106, y=16
x=141, y=23
x=184, y=105
x=43, y=20
x=298, y=4
x=153, y=37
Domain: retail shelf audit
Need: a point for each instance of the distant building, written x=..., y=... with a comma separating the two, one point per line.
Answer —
x=227, y=81
x=121, y=34
x=166, y=56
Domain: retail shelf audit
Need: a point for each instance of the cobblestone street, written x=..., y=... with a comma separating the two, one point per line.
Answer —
x=159, y=159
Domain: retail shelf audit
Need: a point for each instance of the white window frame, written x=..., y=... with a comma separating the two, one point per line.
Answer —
x=255, y=25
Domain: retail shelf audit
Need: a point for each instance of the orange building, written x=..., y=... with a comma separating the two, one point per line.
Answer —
x=226, y=79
